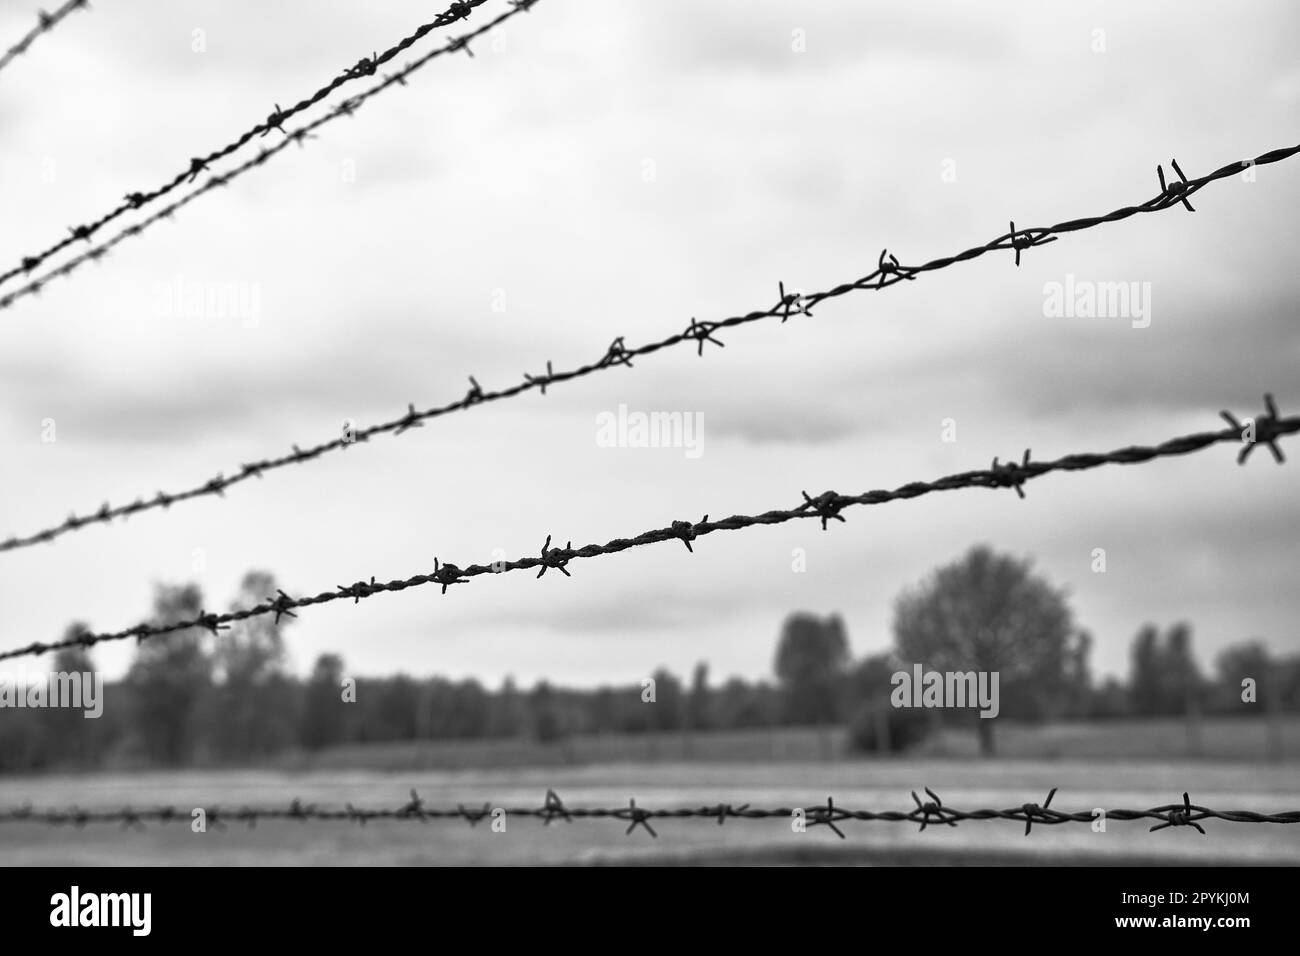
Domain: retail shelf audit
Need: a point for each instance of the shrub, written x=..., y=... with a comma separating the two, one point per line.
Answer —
x=908, y=726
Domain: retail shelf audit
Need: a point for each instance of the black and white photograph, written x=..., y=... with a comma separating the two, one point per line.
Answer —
x=542, y=433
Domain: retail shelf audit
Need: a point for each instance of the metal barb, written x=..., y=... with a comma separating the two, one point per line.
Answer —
x=1032, y=809
x=1010, y=474
x=414, y=807
x=617, y=354
x=282, y=605
x=827, y=506
x=1174, y=192
x=212, y=622
x=686, y=531
x=891, y=267
x=1181, y=818
x=826, y=815
x=702, y=332
x=933, y=807
x=447, y=575
x=639, y=818
x=541, y=380
x=554, y=807
x=790, y=302
x=1267, y=430
x=551, y=558
x=412, y=420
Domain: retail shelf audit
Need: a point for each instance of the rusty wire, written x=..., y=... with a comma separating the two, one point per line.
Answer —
x=45, y=22
x=888, y=272
x=1264, y=430
x=926, y=813
x=367, y=66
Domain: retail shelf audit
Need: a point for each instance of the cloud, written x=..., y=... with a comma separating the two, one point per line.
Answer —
x=637, y=610
x=760, y=40
x=517, y=170
x=784, y=426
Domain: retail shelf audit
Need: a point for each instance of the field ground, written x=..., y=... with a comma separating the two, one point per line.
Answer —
x=882, y=784
x=1160, y=738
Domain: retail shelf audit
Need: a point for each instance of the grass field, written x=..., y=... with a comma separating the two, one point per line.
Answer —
x=1161, y=739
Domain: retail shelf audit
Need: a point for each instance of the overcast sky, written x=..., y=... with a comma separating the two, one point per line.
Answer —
x=615, y=169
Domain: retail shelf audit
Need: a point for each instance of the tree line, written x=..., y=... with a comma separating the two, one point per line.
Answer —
x=195, y=698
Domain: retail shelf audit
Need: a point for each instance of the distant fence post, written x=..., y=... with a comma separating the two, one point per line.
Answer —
x=1273, y=716
x=1193, y=715
x=880, y=713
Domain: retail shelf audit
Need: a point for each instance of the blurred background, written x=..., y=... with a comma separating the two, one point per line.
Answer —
x=605, y=170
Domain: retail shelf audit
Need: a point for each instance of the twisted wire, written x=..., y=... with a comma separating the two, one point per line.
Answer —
x=924, y=813
x=45, y=22
x=1264, y=430
x=369, y=66
x=888, y=272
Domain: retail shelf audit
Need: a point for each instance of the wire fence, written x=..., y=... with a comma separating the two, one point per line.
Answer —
x=45, y=22
x=299, y=136
x=1264, y=430
x=926, y=813
x=888, y=272
x=367, y=66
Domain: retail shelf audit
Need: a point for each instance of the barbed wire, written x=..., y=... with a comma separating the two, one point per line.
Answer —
x=45, y=22
x=1264, y=430
x=275, y=121
x=887, y=273
x=347, y=108
x=926, y=813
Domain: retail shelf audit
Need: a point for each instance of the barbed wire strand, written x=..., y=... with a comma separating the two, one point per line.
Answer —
x=925, y=813
x=888, y=272
x=300, y=135
x=367, y=66
x=1251, y=433
x=45, y=22
x=347, y=108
